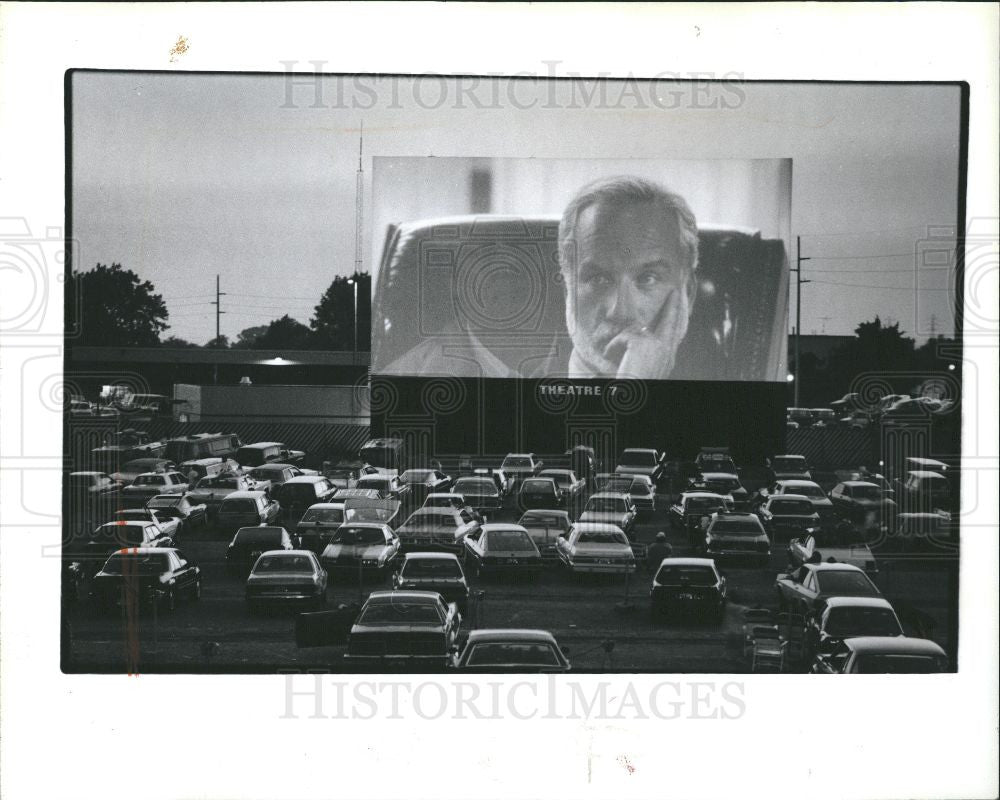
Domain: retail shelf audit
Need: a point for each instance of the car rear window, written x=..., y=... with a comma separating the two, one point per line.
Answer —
x=152, y=564
x=500, y=653
x=239, y=506
x=431, y=568
x=791, y=464
x=259, y=538
x=509, y=540
x=296, y=493
x=476, y=485
x=899, y=664
x=400, y=613
x=833, y=582
x=861, y=621
x=323, y=516
x=790, y=507
x=606, y=504
x=732, y=527
x=442, y=520
x=602, y=537
x=537, y=486
x=284, y=564
x=353, y=535
x=691, y=575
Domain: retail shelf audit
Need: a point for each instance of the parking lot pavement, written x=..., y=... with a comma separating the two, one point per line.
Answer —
x=602, y=627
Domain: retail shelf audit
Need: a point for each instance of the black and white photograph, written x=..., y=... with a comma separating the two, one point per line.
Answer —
x=404, y=402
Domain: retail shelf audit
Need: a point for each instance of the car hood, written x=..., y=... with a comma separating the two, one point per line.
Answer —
x=362, y=551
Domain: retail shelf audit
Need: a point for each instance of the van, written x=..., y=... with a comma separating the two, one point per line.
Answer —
x=206, y=467
x=387, y=455
x=253, y=455
x=203, y=445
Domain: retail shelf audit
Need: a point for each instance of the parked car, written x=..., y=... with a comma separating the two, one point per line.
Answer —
x=131, y=470
x=504, y=482
x=693, y=511
x=440, y=529
x=595, y=547
x=572, y=487
x=611, y=509
x=318, y=525
x=452, y=500
x=371, y=509
x=520, y=466
x=169, y=526
x=841, y=618
x=545, y=526
x=640, y=488
x=788, y=516
x=112, y=536
x=716, y=459
x=411, y=627
x=882, y=655
x=502, y=547
x=802, y=590
x=258, y=453
x=737, y=535
x=296, y=495
x=434, y=572
x=149, y=575
x=213, y=490
x=540, y=493
x=243, y=509
x=179, y=506
x=924, y=491
x=583, y=461
x=821, y=504
x=789, y=467
x=150, y=484
x=273, y=475
x=361, y=546
x=511, y=650
x=844, y=544
x=862, y=502
x=281, y=577
x=207, y=467
x=727, y=485
x=688, y=585
x=823, y=417
x=386, y=486
x=642, y=461
x=424, y=481
x=344, y=474
x=249, y=543
x=924, y=532
x=479, y=492
x=91, y=485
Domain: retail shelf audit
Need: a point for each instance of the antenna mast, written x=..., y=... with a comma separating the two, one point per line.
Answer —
x=359, y=204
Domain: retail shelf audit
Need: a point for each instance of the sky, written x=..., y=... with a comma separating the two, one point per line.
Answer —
x=181, y=177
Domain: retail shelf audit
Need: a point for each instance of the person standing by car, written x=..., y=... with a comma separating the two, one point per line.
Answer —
x=657, y=551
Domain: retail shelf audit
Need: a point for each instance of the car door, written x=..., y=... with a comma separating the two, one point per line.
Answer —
x=184, y=572
x=474, y=547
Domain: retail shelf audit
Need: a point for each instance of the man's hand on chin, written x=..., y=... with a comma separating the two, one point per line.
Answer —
x=651, y=354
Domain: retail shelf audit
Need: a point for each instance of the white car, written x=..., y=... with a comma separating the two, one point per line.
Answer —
x=595, y=547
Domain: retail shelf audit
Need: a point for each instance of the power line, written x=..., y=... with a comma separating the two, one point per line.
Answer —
x=856, y=258
x=897, y=288
x=869, y=232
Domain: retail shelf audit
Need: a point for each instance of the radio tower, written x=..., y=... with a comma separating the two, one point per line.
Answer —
x=359, y=203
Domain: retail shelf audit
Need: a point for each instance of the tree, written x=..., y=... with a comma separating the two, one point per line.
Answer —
x=220, y=342
x=284, y=334
x=333, y=319
x=882, y=352
x=112, y=306
x=247, y=338
x=177, y=342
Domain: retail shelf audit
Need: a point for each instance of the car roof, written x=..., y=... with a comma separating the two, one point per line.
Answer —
x=788, y=497
x=688, y=562
x=926, y=473
x=146, y=474
x=424, y=556
x=143, y=551
x=548, y=512
x=458, y=495
x=322, y=506
x=608, y=495
x=117, y=523
x=708, y=476
x=272, y=467
x=868, y=602
x=244, y=494
x=502, y=526
x=834, y=566
x=87, y=472
x=305, y=479
x=596, y=527
x=381, y=526
x=796, y=482
x=901, y=645
x=263, y=444
x=510, y=635
x=860, y=483
x=555, y=470
x=411, y=595
x=792, y=455
x=639, y=450
x=699, y=493
x=288, y=553
x=260, y=528
x=519, y=455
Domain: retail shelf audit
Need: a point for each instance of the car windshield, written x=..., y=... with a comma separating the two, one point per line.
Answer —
x=239, y=506
x=297, y=493
x=400, y=612
x=721, y=485
x=695, y=504
x=431, y=568
x=259, y=538
x=375, y=482
x=353, y=535
x=508, y=540
x=790, y=507
x=789, y=464
x=718, y=464
x=282, y=563
x=561, y=478
x=897, y=664
x=616, y=484
x=416, y=476
x=432, y=520
x=639, y=458
x=164, y=504
x=736, y=527
x=264, y=474
x=606, y=504
x=536, y=486
x=367, y=515
x=502, y=653
x=151, y=564
x=219, y=482
x=866, y=492
x=834, y=582
x=516, y=461
x=323, y=516
x=149, y=480
x=860, y=621
x=602, y=537
x=692, y=575
x=542, y=521
x=475, y=486
x=805, y=490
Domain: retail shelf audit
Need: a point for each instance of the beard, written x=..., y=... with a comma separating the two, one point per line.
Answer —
x=588, y=358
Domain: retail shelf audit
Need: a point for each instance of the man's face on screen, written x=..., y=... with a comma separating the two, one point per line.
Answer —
x=627, y=286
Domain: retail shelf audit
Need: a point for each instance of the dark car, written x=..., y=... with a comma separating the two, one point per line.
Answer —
x=789, y=467
x=441, y=529
x=139, y=466
x=245, y=509
x=862, y=502
x=189, y=515
x=788, y=516
x=841, y=618
x=821, y=504
x=424, y=481
x=412, y=627
x=884, y=655
x=147, y=575
x=688, y=585
x=318, y=525
x=89, y=485
x=502, y=547
x=737, y=535
x=297, y=494
x=511, y=650
x=481, y=493
x=282, y=577
x=258, y=453
x=641, y=461
x=520, y=466
x=114, y=536
x=693, y=511
x=249, y=543
x=545, y=526
x=276, y=474
x=540, y=493
x=571, y=486
x=361, y=547
x=725, y=484
x=434, y=572
x=804, y=589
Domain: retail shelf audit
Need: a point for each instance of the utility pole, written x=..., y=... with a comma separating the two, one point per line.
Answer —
x=359, y=210
x=799, y=258
x=218, y=329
